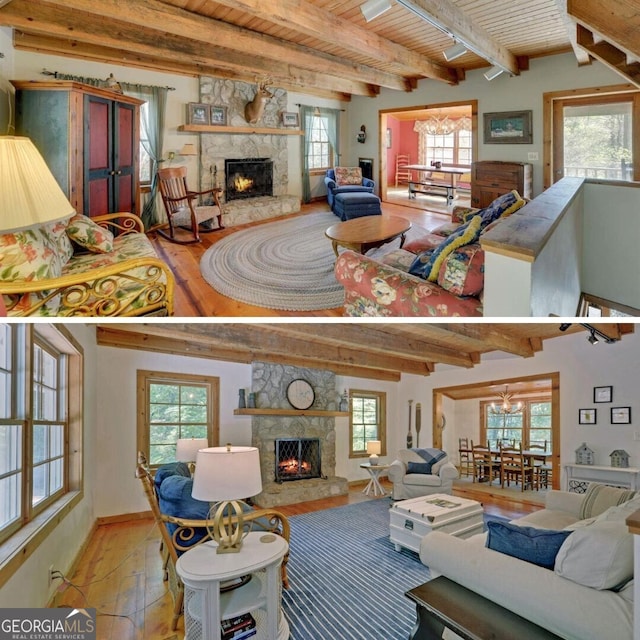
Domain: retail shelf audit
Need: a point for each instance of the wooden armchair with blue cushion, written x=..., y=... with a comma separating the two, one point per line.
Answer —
x=346, y=180
x=183, y=522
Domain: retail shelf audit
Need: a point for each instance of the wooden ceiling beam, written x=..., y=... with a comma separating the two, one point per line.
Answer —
x=582, y=57
x=153, y=23
x=609, y=55
x=311, y=82
x=618, y=22
x=306, y=18
x=461, y=25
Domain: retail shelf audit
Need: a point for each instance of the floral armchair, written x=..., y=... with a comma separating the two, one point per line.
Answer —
x=346, y=180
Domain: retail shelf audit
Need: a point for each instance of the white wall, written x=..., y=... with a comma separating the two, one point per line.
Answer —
x=551, y=73
x=581, y=367
x=611, y=260
x=29, y=586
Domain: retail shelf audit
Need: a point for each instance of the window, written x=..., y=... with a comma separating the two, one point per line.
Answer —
x=367, y=421
x=451, y=148
x=173, y=406
x=40, y=387
x=530, y=426
x=145, y=158
x=320, y=153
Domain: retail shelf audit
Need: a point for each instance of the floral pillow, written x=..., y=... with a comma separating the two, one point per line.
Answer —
x=348, y=175
x=85, y=232
x=28, y=255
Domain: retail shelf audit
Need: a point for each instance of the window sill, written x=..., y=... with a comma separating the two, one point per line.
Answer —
x=16, y=549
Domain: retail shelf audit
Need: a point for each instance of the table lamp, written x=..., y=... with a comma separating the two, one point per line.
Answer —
x=187, y=449
x=374, y=449
x=226, y=476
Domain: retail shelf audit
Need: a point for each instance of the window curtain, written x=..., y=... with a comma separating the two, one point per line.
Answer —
x=332, y=119
x=437, y=125
x=152, y=127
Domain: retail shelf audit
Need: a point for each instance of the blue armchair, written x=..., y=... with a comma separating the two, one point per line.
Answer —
x=367, y=186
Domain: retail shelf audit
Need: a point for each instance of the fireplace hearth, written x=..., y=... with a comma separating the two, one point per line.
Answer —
x=297, y=459
x=248, y=178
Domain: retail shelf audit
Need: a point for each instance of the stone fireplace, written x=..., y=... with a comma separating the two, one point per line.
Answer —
x=248, y=178
x=246, y=142
x=269, y=382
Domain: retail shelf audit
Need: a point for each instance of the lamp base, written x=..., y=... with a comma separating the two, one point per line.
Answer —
x=374, y=459
x=228, y=525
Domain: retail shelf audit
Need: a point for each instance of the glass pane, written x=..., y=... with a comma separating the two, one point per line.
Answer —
x=48, y=407
x=55, y=476
x=164, y=413
x=5, y=346
x=160, y=454
x=40, y=477
x=10, y=498
x=5, y=394
x=598, y=141
x=40, y=443
x=56, y=444
x=193, y=395
x=49, y=370
x=164, y=434
x=358, y=444
x=193, y=414
x=165, y=393
x=10, y=448
x=193, y=431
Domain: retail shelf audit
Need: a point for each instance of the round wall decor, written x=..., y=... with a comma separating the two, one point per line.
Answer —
x=300, y=394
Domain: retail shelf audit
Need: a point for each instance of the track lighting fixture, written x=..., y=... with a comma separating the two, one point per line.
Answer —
x=454, y=51
x=592, y=337
x=595, y=334
x=493, y=73
x=374, y=8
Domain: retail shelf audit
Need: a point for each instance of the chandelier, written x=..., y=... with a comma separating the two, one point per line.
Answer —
x=506, y=407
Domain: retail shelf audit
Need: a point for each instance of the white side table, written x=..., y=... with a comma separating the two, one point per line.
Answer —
x=374, y=482
x=202, y=570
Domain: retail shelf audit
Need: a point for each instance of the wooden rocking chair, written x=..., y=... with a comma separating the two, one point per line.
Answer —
x=182, y=210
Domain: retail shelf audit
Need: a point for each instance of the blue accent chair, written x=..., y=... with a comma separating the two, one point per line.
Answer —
x=367, y=186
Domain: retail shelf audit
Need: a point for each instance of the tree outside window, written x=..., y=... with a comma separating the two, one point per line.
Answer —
x=367, y=420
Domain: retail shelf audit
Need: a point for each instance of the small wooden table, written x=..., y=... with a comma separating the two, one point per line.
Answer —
x=362, y=234
x=443, y=603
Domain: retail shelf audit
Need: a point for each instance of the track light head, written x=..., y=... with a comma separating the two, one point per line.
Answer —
x=493, y=73
x=371, y=9
x=592, y=338
x=454, y=51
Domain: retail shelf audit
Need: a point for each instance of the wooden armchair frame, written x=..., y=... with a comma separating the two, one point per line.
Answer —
x=91, y=292
x=268, y=520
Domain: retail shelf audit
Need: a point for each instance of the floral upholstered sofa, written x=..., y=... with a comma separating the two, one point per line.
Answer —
x=78, y=267
x=439, y=274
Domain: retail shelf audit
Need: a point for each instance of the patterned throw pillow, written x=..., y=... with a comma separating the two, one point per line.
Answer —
x=462, y=273
x=85, y=232
x=28, y=255
x=348, y=175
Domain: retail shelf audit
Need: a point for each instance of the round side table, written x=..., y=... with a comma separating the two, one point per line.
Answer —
x=203, y=570
x=374, y=482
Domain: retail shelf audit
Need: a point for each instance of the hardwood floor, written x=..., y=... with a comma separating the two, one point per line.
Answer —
x=120, y=573
x=195, y=298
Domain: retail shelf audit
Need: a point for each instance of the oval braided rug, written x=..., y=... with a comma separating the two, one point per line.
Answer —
x=285, y=265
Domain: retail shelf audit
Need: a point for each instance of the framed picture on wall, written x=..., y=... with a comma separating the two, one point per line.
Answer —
x=621, y=415
x=198, y=113
x=602, y=394
x=508, y=127
x=587, y=416
x=218, y=115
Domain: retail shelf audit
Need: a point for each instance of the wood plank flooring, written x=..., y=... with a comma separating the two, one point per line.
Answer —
x=195, y=298
x=120, y=573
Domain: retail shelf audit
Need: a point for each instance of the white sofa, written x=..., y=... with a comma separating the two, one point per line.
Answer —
x=564, y=606
x=413, y=485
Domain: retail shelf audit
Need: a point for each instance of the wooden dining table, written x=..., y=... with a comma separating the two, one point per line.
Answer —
x=531, y=455
x=422, y=184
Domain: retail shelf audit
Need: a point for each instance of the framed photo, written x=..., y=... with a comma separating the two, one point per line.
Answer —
x=587, y=416
x=388, y=139
x=621, y=415
x=602, y=394
x=198, y=113
x=218, y=114
x=290, y=119
x=508, y=127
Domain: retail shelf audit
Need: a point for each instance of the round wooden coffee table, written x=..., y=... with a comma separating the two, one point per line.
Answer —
x=367, y=232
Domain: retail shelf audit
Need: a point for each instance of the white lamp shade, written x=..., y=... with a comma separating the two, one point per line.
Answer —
x=30, y=194
x=188, y=150
x=227, y=473
x=187, y=448
x=374, y=447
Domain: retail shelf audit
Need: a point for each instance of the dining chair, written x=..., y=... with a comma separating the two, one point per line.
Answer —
x=485, y=467
x=181, y=206
x=465, y=457
x=515, y=465
x=542, y=467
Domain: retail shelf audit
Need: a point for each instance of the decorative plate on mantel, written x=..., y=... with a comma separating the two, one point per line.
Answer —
x=300, y=394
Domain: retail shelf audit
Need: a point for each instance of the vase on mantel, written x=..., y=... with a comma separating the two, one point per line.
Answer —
x=242, y=403
x=344, y=401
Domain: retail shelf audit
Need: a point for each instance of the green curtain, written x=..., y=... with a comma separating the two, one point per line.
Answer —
x=332, y=119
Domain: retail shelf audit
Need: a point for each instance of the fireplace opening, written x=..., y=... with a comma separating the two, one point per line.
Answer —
x=248, y=178
x=297, y=459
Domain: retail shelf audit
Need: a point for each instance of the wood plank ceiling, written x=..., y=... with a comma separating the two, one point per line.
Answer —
x=367, y=350
x=325, y=47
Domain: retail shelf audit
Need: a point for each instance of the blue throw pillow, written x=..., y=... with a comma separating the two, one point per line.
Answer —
x=170, y=469
x=538, y=546
x=419, y=467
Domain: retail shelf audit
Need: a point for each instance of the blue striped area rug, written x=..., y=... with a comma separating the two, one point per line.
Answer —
x=346, y=580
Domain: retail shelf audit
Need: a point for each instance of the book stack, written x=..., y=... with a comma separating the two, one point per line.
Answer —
x=238, y=628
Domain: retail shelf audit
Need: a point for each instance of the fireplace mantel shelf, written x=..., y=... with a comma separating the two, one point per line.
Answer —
x=290, y=412
x=216, y=128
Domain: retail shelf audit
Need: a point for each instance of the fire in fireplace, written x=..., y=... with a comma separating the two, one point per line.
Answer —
x=297, y=459
x=248, y=178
